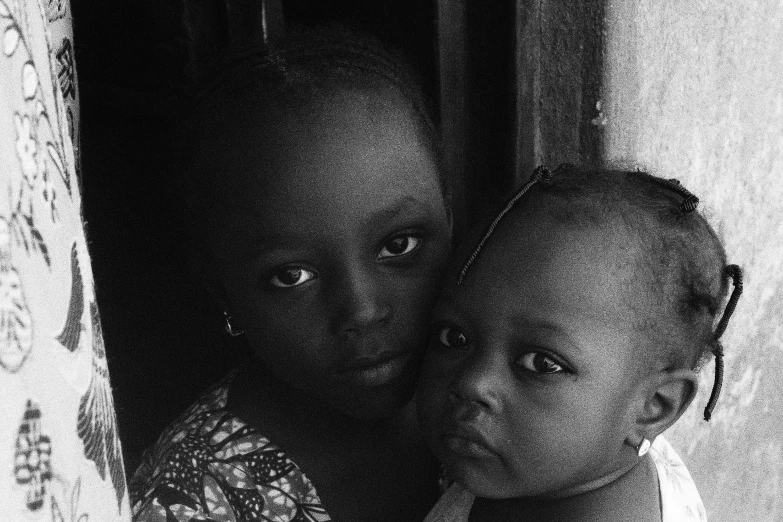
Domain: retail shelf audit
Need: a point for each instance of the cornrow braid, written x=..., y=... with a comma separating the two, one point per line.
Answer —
x=680, y=245
x=735, y=273
x=539, y=174
x=690, y=202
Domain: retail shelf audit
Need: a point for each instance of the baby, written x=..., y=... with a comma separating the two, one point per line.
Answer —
x=568, y=340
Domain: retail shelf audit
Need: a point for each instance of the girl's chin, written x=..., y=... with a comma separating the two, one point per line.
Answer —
x=376, y=402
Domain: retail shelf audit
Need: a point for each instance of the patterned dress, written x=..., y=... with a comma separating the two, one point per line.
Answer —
x=211, y=466
x=680, y=501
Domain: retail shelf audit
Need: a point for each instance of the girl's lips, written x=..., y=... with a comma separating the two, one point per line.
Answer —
x=376, y=371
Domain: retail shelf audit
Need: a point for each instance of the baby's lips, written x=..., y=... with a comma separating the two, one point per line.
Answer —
x=468, y=438
x=467, y=448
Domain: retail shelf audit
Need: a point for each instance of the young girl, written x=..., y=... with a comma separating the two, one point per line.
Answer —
x=566, y=342
x=320, y=225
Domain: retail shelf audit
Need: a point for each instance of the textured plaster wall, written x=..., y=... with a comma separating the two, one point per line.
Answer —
x=694, y=90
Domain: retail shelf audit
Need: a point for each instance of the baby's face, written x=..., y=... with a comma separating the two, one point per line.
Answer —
x=529, y=378
x=328, y=250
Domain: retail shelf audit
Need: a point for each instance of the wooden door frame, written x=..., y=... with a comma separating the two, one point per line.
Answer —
x=555, y=75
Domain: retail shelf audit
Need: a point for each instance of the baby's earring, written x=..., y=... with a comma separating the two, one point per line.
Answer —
x=232, y=331
x=642, y=447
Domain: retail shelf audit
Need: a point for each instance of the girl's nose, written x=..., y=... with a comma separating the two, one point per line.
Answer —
x=477, y=384
x=363, y=302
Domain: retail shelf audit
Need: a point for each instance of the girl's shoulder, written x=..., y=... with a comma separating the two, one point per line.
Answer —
x=209, y=464
x=680, y=500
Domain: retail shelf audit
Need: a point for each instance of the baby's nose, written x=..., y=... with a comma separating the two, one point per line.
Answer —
x=467, y=410
x=476, y=385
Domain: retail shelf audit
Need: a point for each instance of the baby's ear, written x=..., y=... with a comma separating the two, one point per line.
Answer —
x=668, y=395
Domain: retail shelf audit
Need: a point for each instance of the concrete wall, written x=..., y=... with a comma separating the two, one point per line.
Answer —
x=694, y=90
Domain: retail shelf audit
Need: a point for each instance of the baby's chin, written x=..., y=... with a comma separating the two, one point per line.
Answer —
x=480, y=484
x=502, y=486
x=488, y=481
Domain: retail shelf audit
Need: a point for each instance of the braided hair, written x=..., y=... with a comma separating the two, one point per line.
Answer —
x=682, y=258
x=297, y=73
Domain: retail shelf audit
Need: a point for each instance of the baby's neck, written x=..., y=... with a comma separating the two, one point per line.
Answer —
x=633, y=496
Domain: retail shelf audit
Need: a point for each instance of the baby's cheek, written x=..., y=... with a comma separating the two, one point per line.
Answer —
x=429, y=384
x=431, y=397
x=433, y=380
x=440, y=368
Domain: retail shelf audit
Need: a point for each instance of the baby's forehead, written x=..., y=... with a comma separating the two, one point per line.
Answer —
x=554, y=226
x=560, y=250
x=544, y=259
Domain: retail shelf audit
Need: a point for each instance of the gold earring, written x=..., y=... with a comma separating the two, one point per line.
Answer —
x=233, y=332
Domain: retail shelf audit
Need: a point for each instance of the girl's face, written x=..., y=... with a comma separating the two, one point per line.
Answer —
x=327, y=244
x=529, y=379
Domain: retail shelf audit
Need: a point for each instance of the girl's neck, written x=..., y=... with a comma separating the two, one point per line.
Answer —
x=632, y=496
x=360, y=468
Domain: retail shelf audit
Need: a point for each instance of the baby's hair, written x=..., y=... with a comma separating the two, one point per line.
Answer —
x=682, y=252
x=306, y=67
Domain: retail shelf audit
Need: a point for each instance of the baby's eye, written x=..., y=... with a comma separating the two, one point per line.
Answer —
x=289, y=277
x=399, y=246
x=539, y=363
x=451, y=337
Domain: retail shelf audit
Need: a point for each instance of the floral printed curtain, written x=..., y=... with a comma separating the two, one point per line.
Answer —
x=60, y=457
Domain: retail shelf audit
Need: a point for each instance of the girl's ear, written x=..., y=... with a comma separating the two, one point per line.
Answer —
x=668, y=395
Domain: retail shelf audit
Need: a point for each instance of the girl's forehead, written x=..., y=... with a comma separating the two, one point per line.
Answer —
x=333, y=170
x=257, y=107
x=350, y=149
x=269, y=132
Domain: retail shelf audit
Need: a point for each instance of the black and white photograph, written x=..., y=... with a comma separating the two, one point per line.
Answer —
x=391, y=260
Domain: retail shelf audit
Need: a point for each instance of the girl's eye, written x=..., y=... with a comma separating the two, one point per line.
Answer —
x=539, y=363
x=451, y=337
x=399, y=246
x=289, y=277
